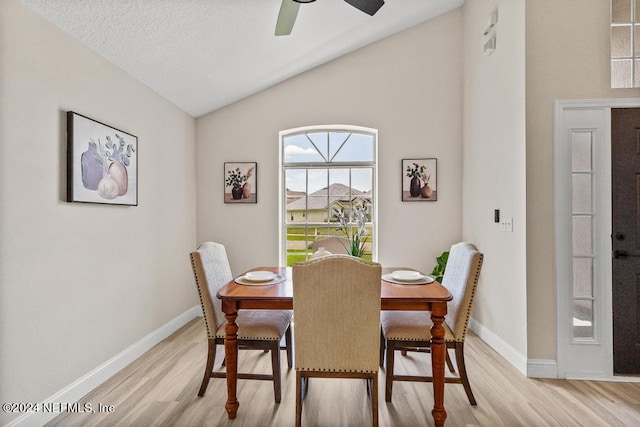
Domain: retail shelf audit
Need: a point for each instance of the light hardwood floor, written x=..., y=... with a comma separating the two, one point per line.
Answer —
x=160, y=388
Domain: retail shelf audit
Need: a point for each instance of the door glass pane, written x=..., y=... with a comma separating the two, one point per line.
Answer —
x=636, y=45
x=621, y=73
x=581, y=196
x=621, y=41
x=582, y=240
x=580, y=151
x=583, y=319
x=621, y=10
x=582, y=277
x=624, y=45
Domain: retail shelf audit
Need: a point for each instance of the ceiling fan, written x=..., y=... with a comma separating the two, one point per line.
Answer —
x=289, y=12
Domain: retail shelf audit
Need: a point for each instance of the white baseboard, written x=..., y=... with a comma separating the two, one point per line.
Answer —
x=76, y=390
x=542, y=368
x=518, y=360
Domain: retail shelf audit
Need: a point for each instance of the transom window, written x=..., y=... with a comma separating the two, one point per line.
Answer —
x=625, y=43
x=327, y=172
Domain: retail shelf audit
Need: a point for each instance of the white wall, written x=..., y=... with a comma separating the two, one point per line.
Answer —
x=494, y=171
x=79, y=283
x=406, y=86
x=567, y=55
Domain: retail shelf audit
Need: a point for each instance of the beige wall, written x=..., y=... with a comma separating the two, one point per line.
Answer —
x=407, y=86
x=494, y=171
x=79, y=283
x=567, y=50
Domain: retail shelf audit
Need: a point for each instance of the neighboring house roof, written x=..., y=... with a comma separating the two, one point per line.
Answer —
x=294, y=195
x=324, y=197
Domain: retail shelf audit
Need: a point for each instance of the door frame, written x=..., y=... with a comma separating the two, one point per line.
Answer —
x=600, y=365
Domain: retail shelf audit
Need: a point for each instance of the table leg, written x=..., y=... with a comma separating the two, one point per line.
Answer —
x=438, y=358
x=231, y=358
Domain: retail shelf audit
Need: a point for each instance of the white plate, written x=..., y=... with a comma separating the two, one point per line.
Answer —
x=423, y=280
x=259, y=276
x=406, y=275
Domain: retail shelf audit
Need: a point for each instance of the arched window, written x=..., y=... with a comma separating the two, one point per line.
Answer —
x=328, y=188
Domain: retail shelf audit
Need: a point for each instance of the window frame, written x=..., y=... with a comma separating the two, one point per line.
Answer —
x=284, y=166
x=633, y=24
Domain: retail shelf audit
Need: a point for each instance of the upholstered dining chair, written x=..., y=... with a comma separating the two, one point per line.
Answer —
x=336, y=301
x=403, y=330
x=257, y=329
x=333, y=244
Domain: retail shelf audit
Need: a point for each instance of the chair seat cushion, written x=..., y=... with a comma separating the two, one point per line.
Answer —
x=410, y=326
x=260, y=324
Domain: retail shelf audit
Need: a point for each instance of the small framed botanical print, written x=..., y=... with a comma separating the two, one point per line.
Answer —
x=419, y=180
x=241, y=182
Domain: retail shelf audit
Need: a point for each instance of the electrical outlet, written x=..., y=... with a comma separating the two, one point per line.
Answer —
x=506, y=224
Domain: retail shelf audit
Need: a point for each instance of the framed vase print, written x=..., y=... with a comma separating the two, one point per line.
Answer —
x=102, y=163
x=419, y=180
x=241, y=182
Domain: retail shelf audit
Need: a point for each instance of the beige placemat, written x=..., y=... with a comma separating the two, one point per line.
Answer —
x=242, y=281
x=426, y=280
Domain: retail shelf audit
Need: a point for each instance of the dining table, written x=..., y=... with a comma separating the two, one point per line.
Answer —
x=432, y=297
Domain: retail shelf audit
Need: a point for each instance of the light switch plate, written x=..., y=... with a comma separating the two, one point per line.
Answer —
x=506, y=224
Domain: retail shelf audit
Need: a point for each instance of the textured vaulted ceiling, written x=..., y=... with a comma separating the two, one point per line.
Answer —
x=205, y=54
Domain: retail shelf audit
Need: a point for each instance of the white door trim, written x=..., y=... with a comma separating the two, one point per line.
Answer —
x=600, y=366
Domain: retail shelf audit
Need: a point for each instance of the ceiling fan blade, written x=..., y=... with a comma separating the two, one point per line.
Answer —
x=369, y=7
x=286, y=17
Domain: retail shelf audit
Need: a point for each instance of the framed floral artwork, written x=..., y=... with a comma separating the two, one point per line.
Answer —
x=240, y=182
x=102, y=163
x=419, y=180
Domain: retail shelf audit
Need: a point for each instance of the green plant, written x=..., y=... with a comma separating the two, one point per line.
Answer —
x=438, y=270
x=416, y=171
x=356, y=235
x=235, y=178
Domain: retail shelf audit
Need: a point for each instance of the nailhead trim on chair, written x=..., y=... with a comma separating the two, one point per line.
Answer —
x=473, y=294
x=298, y=368
x=251, y=338
x=220, y=333
x=195, y=274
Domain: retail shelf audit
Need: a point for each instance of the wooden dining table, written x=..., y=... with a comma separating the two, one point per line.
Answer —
x=432, y=297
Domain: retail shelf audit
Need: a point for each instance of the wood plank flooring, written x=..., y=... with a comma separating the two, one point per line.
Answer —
x=160, y=389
